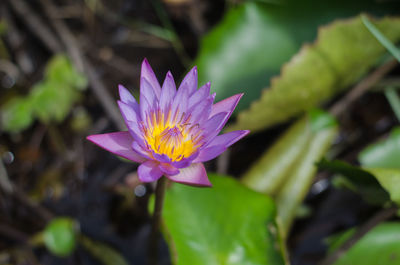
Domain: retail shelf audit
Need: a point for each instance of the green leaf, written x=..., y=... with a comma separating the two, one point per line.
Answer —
x=380, y=246
x=50, y=100
x=225, y=224
x=244, y=51
x=343, y=52
x=268, y=173
x=103, y=253
x=387, y=43
x=321, y=119
x=60, y=70
x=60, y=236
x=358, y=180
x=16, y=115
x=390, y=181
x=287, y=169
x=383, y=154
x=254, y=39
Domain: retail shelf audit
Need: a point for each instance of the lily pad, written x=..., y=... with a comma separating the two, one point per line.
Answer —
x=225, y=224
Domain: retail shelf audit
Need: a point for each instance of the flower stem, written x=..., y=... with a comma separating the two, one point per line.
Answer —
x=155, y=227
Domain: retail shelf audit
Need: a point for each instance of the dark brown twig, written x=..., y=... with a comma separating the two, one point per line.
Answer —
x=364, y=229
x=155, y=226
x=33, y=21
x=342, y=105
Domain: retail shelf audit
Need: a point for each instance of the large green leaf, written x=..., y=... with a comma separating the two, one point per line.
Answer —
x=380, y=246
x=383, y=154
x=342, y=53
x=254, y=39
x=225, y=224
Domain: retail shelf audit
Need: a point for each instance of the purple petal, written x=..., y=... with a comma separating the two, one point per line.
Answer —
x=132, y=121
x=161, y=158
x=228, y=139
x=209, y=153
x=199, y=95
x=145, y=109
x=201, y=111
x=140, y=149
x=148, y=73
x=127, y=98
x=226, y=105
x=147, y=91
x=168, y=169
x=167, y=92
x=118, y=143
x=149, y=171
x=179, y=105
x=194, y=175
x=189, y=82
x=213, y=126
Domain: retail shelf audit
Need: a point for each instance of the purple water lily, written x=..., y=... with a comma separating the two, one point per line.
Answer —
x=171, y=132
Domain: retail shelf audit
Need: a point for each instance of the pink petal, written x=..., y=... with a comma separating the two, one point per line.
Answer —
x=209, y=153
x=226, y=105
x=118, y=143
x=168, y=169
x=189, y=82
x=132, y=120
x=127, y=98
x=167, y=92
x=201, y=94
x=149, y=171
x=229, y=138
x=194, y=175
x=148, y=73
x=180, y=103
x=147, y=91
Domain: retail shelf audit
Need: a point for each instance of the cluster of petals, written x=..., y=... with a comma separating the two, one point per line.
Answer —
x=172, y=131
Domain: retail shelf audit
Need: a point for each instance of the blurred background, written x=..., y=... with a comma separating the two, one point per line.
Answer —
x=60, y=65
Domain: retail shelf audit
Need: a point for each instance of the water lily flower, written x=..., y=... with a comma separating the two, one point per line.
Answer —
x=171, y=132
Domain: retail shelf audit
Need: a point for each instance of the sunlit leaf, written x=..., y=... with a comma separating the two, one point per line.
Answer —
x=343, y=52
x=60, y=236
x=287, y=169
x=390, y=181
x=380, y=246
x=225, y=224
x=103, y=253
x=383, y=154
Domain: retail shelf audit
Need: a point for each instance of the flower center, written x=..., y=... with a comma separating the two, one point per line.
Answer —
x=171, y=138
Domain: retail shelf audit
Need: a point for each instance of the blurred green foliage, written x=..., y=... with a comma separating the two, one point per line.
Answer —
x=60, y=236
x=227, y=224
x=383, y=154
x=380, y=246
x=50, y=100
x=343, y=52
x=102, y=252
x=286, y=170
x=254, y=39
